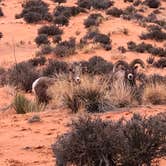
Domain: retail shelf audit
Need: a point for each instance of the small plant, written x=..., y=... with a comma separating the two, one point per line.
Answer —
x=65, y=48
x=115, y=12
x=22, y=105
x=42, y=39
x=1, y=12
x=50, y=30
x=1, y=35
x=35, y=11
x=61, y=20
x=150, y=60
x=93, y=20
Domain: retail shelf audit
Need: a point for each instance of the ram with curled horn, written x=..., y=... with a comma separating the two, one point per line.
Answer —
x=126, y=72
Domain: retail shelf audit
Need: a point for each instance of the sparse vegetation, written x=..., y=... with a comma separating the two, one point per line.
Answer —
x=65, y=48
x=154, y=33
x=93, y=141
x=161, y=63
x=93, y=20
x=152, y=3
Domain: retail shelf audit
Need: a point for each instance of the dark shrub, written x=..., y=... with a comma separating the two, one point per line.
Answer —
x=143, y=47
x=96, y=4
x=34, y=11
x=95, y=142
x=154, y=33
x=152, y=3
x=1, y=12
x=61, y=20
x=65, y=48
x=98, y=65
x=45, y=49
x=38, y=61
x=55, y=67
x=3, y=76
x=32, y=17
x=93, y=20
x=122, y=49
x=114, y=11
x=150, y=60
x=161, y=63
x=1, y=35
x=50, y=30
x=42, y=39
x=22, y=76
x=57, y=38
x=102, y=38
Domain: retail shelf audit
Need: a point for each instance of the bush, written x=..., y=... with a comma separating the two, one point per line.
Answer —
x=95, y=142
x=3, y=76
x=42, y=39
x=34, y=11
x=37, y=61
x=152, y=3
x=65, y=48
x=1, y=12
x=55, y=67
x=150, y=60
x=114, y=12
x=154, y=34
x=161, y=63
x=50, y=30
x=22, y=75
x=93, y=20
x=143, y=47
x=102, y=38
x=22, y=105
x=45, y=49
x=61, y=20
x=96, y=4
x=98, y=65
x=57, y=39
x=1, y=35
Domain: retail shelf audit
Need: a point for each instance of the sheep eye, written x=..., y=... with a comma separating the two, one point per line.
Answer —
x=130, y=76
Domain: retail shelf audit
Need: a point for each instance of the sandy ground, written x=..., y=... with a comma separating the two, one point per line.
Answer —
x=25, y=144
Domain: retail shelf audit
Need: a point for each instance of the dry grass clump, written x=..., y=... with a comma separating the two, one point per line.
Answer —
x=22, y=105
x=121, y=94
x=90, y=95
x=155, y=93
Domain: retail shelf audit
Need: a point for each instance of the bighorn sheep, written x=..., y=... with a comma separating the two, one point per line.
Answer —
x=127, y=72
x=41, y=85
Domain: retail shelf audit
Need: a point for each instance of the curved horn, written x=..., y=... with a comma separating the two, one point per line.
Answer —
x=120, y=62
x=137, y=61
